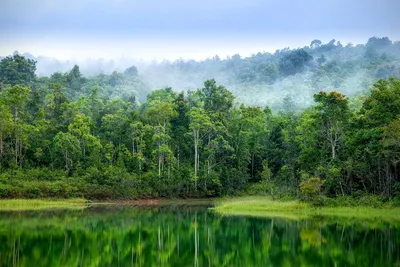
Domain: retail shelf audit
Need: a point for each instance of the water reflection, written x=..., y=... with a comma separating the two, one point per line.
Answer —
x=190, y=236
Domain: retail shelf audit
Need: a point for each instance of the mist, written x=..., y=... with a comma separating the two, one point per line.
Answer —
x=263, y=79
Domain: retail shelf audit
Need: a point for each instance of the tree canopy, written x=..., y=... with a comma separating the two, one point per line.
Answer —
x=61, y=137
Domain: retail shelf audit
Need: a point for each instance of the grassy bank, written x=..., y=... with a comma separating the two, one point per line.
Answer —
x=264, y=206
x=40, y=204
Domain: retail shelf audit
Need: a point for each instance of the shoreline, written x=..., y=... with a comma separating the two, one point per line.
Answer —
x=42, y=204
x=20, y=204
x=256, y=206
x=263, y=206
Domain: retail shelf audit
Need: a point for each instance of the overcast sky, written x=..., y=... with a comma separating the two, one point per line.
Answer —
x=170, y=29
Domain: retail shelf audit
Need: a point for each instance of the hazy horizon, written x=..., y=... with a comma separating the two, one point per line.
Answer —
x=157, y=30
x=223, y=54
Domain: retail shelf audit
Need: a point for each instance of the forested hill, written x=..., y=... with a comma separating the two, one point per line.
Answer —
x=261, y=79
x=68, y=135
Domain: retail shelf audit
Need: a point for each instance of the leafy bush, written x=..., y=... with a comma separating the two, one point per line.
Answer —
x=5, y=191
x=36, y=174
x=310, y=190
x=260, y=188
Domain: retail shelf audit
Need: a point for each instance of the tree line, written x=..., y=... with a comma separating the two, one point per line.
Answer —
x=58, y=139
x=260, y=79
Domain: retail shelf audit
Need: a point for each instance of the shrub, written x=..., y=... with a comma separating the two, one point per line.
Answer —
x=37, y=174
x=310, y=190
x=370, y=201
x=260, y=188
x=5, y=191
x=33, y=192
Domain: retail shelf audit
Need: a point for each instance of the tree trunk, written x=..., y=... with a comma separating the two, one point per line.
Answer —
x=159, y=165
x=133, y=143
x=84, y=150
x=196, y=155
x=178, y=157
x=252, y=166
x=66, y=164
x=20, y=155
x=1, y=147
x=169, y=169
x=16, y=151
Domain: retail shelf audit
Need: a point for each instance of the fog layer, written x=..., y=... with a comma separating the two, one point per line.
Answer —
x=261, y=79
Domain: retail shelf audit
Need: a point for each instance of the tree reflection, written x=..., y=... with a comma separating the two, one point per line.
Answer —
x=190, y=236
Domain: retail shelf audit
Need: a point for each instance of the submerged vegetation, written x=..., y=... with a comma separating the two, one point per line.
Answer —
x=67, y=135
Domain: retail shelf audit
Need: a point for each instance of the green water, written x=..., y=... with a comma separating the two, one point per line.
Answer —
x=190, y=236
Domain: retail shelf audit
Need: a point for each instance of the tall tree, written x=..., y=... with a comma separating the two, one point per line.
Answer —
x=6, y=126
x=68, y=145
x=160, y=112
x=17, y=98
x=200, y=124
x=217, y=98
x=80, y=128
x=17, y=70
x=333, y=114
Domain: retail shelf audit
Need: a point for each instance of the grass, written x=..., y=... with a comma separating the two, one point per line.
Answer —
x=80, y=203
x=40, y=204
x=263, y=206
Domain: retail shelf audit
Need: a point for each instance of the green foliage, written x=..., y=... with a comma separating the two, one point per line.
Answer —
x=38, y=189
x=257, y=189
x=310, y=189
x=266, y=175
x=17, y=70
x=294, y=62
x=217, y=98
x=66, y=132
x=68, y=146
x=359, y=199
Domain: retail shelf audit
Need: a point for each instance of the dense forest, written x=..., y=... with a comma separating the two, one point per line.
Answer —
x=67, y=135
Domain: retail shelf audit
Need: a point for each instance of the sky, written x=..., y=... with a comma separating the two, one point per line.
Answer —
x=187, y=29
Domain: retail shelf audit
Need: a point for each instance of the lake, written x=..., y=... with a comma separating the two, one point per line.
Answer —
x=179, y=235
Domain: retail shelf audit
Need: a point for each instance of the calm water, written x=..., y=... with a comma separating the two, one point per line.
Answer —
x=190, y=236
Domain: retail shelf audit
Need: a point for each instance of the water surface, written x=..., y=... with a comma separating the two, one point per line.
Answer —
x=190, y=236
